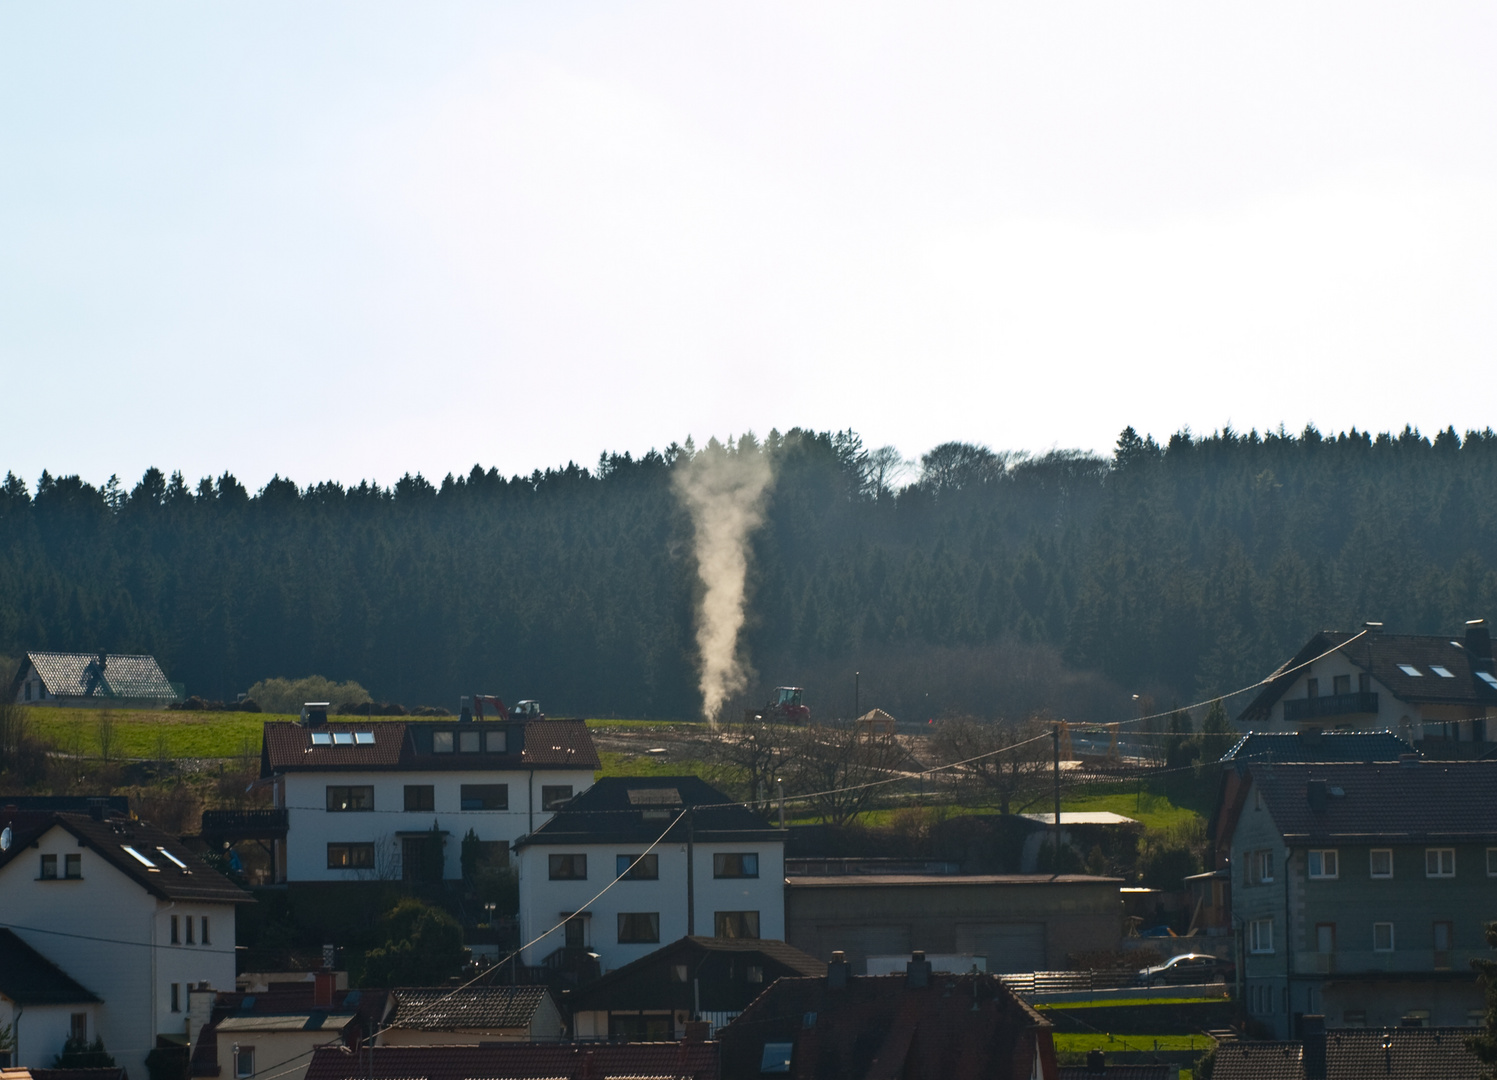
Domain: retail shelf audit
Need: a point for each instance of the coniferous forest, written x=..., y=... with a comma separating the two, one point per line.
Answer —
x=988, y=583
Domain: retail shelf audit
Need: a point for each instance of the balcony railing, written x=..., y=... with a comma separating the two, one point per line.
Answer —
x=1350, y=963
x=269, y=824
x=1314, y=708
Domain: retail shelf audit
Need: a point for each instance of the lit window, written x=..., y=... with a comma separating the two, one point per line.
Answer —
x=1411, y=671
x=1439, y=862
x=1322, y=865
x=350, y=856
x=441, y=742
x=732, y=864
x=1260, y=936
x=1382, y=937
x=1443, y=672
x=346, y=798
x=639, y=927
x=1381, y=862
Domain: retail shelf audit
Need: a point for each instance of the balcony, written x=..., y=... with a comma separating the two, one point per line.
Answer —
x=1298, y=710
x=1405, y=963
x=234, y=825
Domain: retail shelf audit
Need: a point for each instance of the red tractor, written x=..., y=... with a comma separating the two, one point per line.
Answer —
x=525, y=710
x=785, y=707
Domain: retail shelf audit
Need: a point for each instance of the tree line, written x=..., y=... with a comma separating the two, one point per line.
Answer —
x=975, y=581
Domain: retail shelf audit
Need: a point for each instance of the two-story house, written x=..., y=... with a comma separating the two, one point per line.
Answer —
x=127, y=911
x=1437, y=691
x=364, y=800
x=1360, y=890
x=716, y=868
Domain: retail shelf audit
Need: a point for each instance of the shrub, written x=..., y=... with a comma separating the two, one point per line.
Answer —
x=422, y=946
x=282, y=695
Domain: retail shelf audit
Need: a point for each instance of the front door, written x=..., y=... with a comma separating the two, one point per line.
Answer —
x=574, y=933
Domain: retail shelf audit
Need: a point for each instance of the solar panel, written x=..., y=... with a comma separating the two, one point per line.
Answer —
x=1409, y=669
x=1443, y=672
x=321, y=738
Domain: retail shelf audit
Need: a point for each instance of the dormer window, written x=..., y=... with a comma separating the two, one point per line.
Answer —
x=441, y=742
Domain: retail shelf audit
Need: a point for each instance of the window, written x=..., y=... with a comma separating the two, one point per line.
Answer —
x=731, y=864
x=203, y=937
x=1439, y=862
x=568, y=867
x=484, y=796
x=441, y=742
x=495, y=741
x=187, y=926
x=49, y=868
x=553, y=795
x=420, y=797
x=1382, y=937
x=343, y=798
x=1341, y=684
x=575, y=933
x=1260, y=936
x=72, y=866
x=1411, y=671
x=735, y=924
x=637, y=867
x=776, y=1057
x=78, y=1027
x=363, y=738
x=468, y=741
x=680, y=973
x=754, y=973
x=176, y=994
x=1259, y=867
x=1322, y=865
x=350, y=856
x=639, y=927
x=1382, y=862
x=175, y=937
x=244, y=1062
x=1443, y=672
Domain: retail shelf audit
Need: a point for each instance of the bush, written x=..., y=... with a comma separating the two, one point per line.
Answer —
x=288, y=695
x=80, y=1054
x=423, y=945
x=371, y=708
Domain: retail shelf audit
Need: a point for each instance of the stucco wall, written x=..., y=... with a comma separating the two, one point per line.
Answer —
x=43, y=1029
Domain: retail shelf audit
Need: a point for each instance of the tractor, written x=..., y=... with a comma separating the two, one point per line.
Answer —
x=785, y=707
x=525, y=710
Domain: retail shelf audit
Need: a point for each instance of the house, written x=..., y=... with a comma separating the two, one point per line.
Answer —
x=1398, y=1053
x=1360, y=889
x=1019, y=922
x=123, y=908
x=695, y=978
x=1096, y=1068
x=64, y=1074
x=365, y=800
x=687, y=859
x=914, y=1026
x=41, y=1004
x=96, y=680
x=272, y=1034
x=427, y=1016
x=520, y=1061
x=1434, y=690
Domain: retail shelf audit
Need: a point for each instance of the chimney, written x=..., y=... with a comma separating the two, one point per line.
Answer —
x=1312, y=1027
x=1311, y=736
x=836, y=971
x=917, y=971
x=696, y=1031
x=201, y=998
x=323, y=984
x=314, y=714
x=464, y=710
x=1096, y=1061
x=1478, y=639
x=1317, y=795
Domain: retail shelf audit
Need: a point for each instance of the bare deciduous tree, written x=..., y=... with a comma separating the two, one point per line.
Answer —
x=1013, y=778
x=835, y=764
x=749, y=757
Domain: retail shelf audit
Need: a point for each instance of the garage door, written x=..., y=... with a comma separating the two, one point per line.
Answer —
x=1008, y=946
x=861, y=942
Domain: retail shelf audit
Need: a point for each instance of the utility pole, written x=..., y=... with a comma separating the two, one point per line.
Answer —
x=1055, y=738
x=691, y=880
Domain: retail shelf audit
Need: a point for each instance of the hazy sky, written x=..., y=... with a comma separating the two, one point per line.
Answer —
x=350, y=240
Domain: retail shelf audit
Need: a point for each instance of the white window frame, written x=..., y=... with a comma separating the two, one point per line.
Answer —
x=1326, y=856
x=1492, y=862
x=240, y=1054
x=1392, y=939
x=1265, y=867
x=1439, y=853
x=1372, y=866
x=1258, y=931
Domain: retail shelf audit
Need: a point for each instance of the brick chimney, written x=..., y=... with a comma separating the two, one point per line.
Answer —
x=1312, y=1028
x=323, y=985
x=1478, y=640
x=836, y=971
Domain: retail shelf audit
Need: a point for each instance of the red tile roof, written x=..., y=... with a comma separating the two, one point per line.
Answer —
x=572, y=1061
x=544, y=744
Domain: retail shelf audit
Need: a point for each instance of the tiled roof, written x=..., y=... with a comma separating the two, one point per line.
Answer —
x=119, y=676
x=1356, y=1054
x=29, y=978
x=863, y=881
x=1380, y=655
x=1287, y=746
x=565, y=1061
x=404, y=744
x=79, y=1074
x=635, y=809
x=723, y=987
x=295, y=1006
x=109, y=836
x=1409, y=803
x=434, y=1008
x=1258, y=1061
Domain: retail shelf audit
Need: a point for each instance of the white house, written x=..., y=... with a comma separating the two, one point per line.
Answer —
x=735, y=887
x=99, y=680
x=127, y=911
x=361, y=798
x=1437, y=691
x=53, y=1005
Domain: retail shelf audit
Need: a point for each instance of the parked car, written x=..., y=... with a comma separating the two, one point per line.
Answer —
x=1186, y=968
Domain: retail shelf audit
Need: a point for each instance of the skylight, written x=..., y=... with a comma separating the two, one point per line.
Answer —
x=138, y=857
x=1488, y=678
x=1443, y=672
x=363, y=738
x=1410, y=669
x=321, y=738
x=178, y=863
x=342, y=738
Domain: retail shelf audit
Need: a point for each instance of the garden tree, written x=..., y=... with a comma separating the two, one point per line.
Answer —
x=82, y=1054
x=1217, y=733
x=749, y=757
x=836, y=769
x=1006, y=764
x=421, y=946
x=1484, y=1043
x=1181, y=749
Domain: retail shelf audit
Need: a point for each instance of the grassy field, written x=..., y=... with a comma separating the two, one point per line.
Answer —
x=1155, y=811
x=1073, y=1043
x=618, y=764
x=138, y=733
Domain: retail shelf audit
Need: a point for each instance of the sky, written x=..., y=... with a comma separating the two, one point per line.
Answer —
x=351, y=240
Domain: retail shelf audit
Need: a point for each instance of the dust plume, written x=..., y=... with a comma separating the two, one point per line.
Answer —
x=724, y=492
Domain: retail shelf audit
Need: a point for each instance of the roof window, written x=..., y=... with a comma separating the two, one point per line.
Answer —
x=321, y=738
x=178, y=863
x=1411, y=671
x=138, y=857
x=1488, y=678
x=363, y=738
x=1443, y=672
x=342, y=738
x=776, y=1057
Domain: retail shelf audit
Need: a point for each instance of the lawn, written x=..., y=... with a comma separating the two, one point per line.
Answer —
x=140, y=733
x=620, y=764
x=1154, y=811
x=1080, y=1043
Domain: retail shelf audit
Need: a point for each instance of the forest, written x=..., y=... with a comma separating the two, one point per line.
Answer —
x=972, y=582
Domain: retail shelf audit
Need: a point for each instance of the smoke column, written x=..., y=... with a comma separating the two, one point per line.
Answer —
x=724, y=493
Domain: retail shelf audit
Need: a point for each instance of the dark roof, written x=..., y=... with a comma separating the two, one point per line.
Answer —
x=880, y=1025
x=864, y=881
x=109, y=836
x=296, y=1000
x=1116, y=1072
x=1413, y=802
x=635, y=809
x=403, y=744
x=29, y=978
x=1380, y=654
x=723, y=987
x=1288, y=746
x=79, y=1074
x=82, y=675
x=436, y=1008
x=1355, y=1054
x=572, y=1061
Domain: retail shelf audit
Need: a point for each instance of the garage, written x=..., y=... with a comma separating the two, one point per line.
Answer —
x=861, y=942
x=1008, y=946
